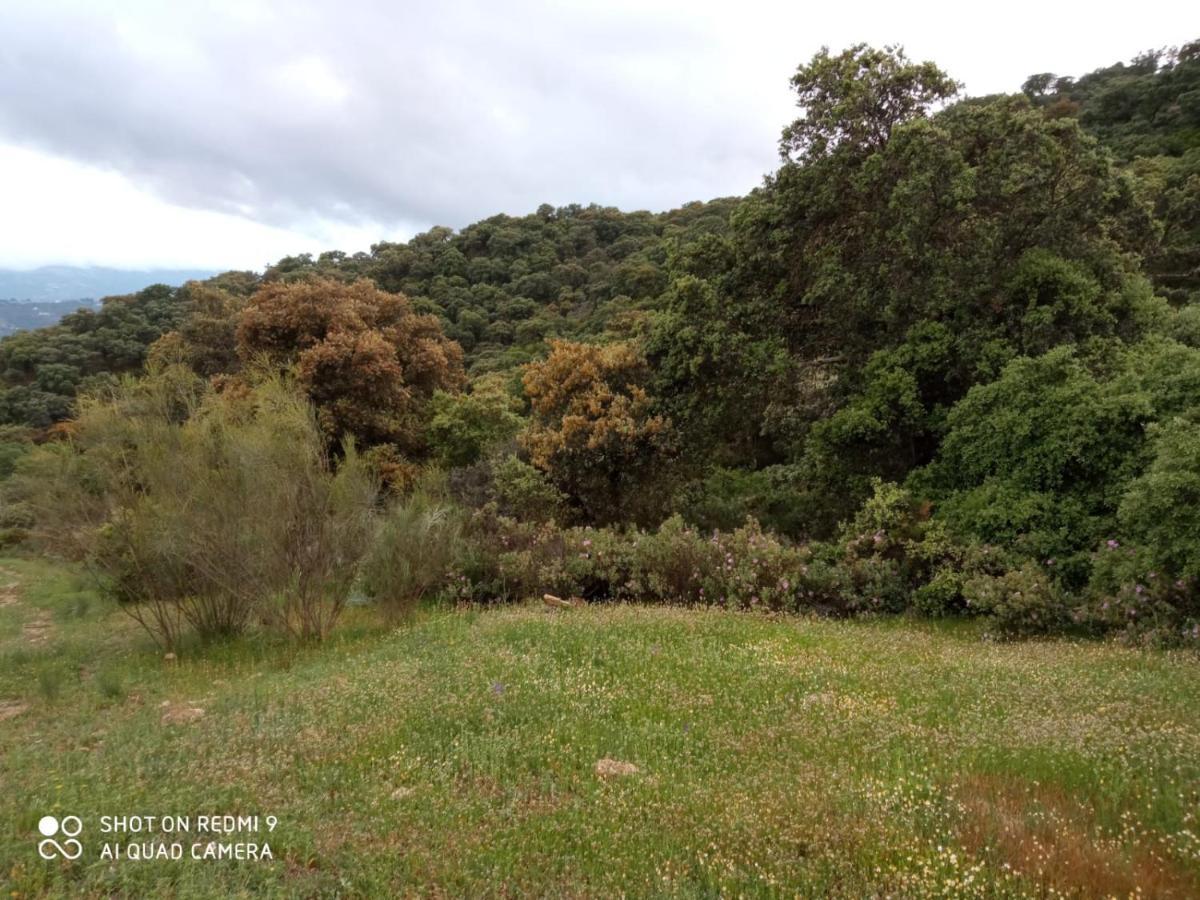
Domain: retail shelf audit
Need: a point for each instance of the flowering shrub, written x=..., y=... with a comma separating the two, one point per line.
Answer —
x=500, y=558
x=1022, y=602
x=745, y=568
x=940, y=596
x=896, y=557
x=891, y=558
x=1130, y=594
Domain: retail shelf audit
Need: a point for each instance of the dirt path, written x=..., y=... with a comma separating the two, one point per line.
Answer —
x=9, y=593
x=11, y=708
x=39, y=629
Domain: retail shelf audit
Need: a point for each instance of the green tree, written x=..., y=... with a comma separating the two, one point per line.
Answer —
x=1160, y=511
x=853, y=101
x=895, y=260
x=465, y=425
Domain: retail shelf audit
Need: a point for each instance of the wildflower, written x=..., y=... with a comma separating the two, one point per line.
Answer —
x=1111, y=544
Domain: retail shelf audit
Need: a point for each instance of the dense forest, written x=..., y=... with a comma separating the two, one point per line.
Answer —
x=945, y=360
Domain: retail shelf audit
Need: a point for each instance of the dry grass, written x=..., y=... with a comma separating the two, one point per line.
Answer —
x=1052, y=840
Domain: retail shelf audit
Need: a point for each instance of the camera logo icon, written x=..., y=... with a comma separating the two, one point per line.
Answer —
x=50, y=847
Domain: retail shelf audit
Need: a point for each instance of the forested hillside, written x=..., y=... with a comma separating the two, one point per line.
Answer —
x=1148, y=113
x=946, y=359
x=500, y=288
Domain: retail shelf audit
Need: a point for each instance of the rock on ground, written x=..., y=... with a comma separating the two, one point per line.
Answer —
x=180, y=713
x=607, y=768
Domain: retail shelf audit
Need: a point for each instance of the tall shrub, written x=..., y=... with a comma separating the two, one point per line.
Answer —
x=206, y=510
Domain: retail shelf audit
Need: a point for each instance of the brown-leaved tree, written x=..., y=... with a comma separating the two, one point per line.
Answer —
x=368, y=362
x=595, y=431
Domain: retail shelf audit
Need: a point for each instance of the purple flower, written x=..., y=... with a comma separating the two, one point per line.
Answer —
x=1111, y=544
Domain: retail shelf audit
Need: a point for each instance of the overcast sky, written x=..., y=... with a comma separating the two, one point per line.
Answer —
x=229, y=133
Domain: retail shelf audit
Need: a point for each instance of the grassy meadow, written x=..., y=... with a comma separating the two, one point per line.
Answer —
x=457, y=755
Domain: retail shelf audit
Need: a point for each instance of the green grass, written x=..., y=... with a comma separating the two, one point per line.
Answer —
x=456, y=756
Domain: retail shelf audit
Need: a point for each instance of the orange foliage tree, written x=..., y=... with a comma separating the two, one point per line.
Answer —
x=595, y=431
x=205, y=340
x=367, y=361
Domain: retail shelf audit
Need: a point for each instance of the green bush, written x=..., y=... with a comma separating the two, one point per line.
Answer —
x=503, y=559
x=417, y=544
x=745, y=568
x=1132, y=595
x=940, y=596
x=1161, y=509
x=724, y=498
x=891, y=557
x=1021, y=603
x=1037, y=460
x=896, y=557
x=464, y=426
x=525, y=492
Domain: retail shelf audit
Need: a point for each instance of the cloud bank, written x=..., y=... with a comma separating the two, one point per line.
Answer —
x=320, y=121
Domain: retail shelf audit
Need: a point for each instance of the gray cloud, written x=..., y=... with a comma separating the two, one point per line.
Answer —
x=394, y=115
x=384, y=112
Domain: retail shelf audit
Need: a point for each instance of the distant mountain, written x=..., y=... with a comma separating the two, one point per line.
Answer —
x=22, y=315
x=59, y=283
